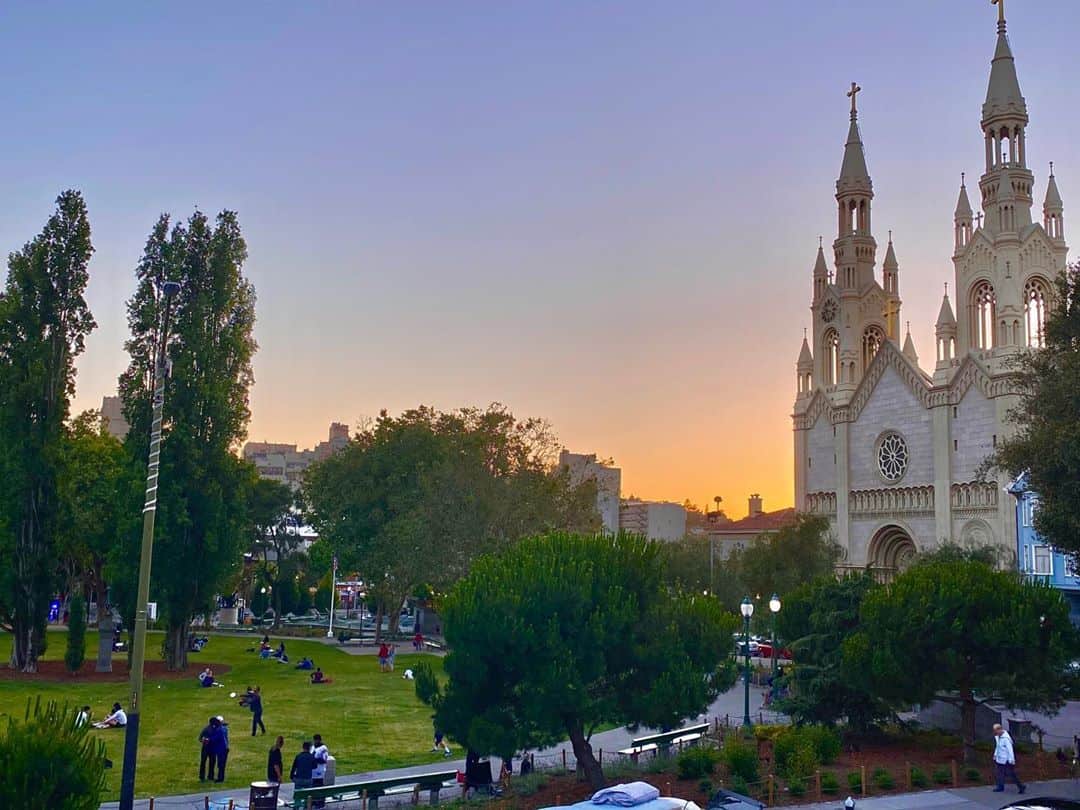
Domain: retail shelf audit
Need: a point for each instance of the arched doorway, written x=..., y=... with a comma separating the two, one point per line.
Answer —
x=891, y=551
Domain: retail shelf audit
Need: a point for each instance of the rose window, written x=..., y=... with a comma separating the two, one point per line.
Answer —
x=892, y=457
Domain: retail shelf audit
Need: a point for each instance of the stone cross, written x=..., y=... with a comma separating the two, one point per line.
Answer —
x=851, y=94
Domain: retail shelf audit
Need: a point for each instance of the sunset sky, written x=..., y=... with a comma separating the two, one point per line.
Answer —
x=603, y=213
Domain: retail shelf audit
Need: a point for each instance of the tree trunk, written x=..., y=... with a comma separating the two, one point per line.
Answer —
x=967, y=725
x=378, y=622
x=176, y=644
x=105, y=637
x=594, y=774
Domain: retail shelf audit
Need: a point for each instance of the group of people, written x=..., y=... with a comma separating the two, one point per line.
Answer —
x=117, y=718
x=206, y=678
x=214, y=739
x=386, y=657
x=308, y=766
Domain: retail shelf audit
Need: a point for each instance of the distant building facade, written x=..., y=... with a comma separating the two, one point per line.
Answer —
x=1035, y=557
x=285, y=463
x=655, y=519
x=730, y=536
x=585, y=467
x=112, y=413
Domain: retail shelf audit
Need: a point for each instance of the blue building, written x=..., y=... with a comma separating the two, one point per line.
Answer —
x=1036, y=558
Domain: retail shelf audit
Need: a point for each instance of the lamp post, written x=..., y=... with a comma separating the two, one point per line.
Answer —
x=333, y=591
x=747, y=610
x=774, y=606
x=138, y=651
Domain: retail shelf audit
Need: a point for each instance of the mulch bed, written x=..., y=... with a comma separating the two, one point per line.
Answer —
x=55, y=671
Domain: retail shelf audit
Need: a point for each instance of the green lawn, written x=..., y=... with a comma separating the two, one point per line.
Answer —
x=370, y=720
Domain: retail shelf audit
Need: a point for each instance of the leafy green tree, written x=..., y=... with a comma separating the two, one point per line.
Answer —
x=780, y=562
x=560, y=633
x=75, y=653
x=202, y=518
x=963, y=632
x=691, y=565
x=271, y=510
x=50, y=763
x=414, y=499
x=816, y=619
x=101, y=492
x=44, y=321
x=1046, y=444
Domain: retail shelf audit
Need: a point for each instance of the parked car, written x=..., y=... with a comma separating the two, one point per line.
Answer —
x=1048, y=803
x=765, y=651
x=730, y=800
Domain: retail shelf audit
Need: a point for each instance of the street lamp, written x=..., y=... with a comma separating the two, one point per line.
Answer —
x=167, y=291
x=747, y=610
x=774, y=606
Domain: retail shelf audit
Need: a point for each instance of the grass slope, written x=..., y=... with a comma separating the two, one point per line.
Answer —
x=370, y=720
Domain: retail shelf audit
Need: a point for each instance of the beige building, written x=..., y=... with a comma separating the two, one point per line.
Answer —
x=732, y=535
x=585, y=467
x=285, y=463
x=891, y=452
x=112, y=412
x=657, y=520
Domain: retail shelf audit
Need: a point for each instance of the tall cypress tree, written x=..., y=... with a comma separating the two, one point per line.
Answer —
x=44, y=321
x=201, y=519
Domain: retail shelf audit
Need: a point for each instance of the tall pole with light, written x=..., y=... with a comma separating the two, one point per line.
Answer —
x=333, y=591
x=774, y=607
x=138, y=651
x=747, y=610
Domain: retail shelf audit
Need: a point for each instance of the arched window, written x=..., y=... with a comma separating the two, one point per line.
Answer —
x=872, y=339
x=830, y=353
x=1036, y=294
x=983, y=314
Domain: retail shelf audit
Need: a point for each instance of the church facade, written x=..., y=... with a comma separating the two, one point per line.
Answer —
x=889, y=452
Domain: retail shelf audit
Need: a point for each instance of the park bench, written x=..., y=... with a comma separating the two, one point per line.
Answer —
x=434, y=645
x=371, y=789
x=663, y=741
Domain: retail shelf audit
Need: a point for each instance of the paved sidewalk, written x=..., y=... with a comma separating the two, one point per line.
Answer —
x=976, y=798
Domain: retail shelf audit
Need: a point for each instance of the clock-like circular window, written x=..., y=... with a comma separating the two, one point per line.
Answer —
x=892, y=457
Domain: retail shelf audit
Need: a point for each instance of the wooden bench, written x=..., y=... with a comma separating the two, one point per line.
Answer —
x=434, y=645
x=663, y=741
x=369, y=791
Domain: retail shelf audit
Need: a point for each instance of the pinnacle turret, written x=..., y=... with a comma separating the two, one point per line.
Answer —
x=909, y=347
x=1053, y=209
x=1003, y=96
x=945, y=318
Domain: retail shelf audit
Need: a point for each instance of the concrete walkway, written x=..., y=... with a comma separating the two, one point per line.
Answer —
x=976, y=798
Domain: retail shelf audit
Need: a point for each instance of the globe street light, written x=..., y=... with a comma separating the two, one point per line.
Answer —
x=166, y=293
x=774, y=606
x=747, y=610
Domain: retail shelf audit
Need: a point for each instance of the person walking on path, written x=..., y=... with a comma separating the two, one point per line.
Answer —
x=321, y=754
x=254, y=702
x=303, y=765
x=273, y=761
x=440, y=742
x=1005, y=760
x=207, y=755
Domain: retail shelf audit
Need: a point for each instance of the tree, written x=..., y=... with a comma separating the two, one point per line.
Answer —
x=273, y=524
x=560, y=633
x=1046, y=444
x=779, y=563
x=816, y=619
x=202, y=515
x=963, y=632
x=414, y=499
x=75, y=653
x=44, y=321
x=690, y=565
x=100, y=488
x=50, y=763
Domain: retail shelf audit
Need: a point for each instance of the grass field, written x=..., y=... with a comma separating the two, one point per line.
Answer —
x=370, y=720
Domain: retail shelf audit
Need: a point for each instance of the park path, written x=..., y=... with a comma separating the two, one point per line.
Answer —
x=976, y=798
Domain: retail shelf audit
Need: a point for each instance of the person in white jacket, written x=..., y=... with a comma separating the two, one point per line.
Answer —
x=1005, y=760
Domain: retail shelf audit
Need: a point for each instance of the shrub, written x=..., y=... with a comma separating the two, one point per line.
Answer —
x=801, y=764
x=656, y=765
x=425, y=683
x=883, y=780
x=797, y=787
x=529, y=784
x=822, y=741
x=705, y=786
x=854, y=780
x=76, y=638
x=942, y=775
x=829, y=783
x=825, y=741
x=697, y=762
x=740, y=785
x=49, y=763
x=973, y=774
x=740, y=759
x=918, y=778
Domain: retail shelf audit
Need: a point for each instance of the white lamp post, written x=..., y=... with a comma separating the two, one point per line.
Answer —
x=747, y=610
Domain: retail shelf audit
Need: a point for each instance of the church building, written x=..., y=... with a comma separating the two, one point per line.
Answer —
x=889, y=452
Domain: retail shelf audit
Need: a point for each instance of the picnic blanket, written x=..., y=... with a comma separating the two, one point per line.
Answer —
x=662, y=803
x=629, y=794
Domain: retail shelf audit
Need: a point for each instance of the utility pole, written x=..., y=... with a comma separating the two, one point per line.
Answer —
x=138, y=651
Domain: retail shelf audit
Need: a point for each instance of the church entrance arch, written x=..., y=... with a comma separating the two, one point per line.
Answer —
x=891, y=551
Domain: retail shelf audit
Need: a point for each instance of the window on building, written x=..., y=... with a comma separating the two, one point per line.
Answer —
x=831, y=353
x=1036, y=293
x=1070, y=567
x=872, y=339
x=1042, y=560
x=983, y=314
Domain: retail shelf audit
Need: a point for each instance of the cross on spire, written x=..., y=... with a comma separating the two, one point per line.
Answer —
x=946, y=289
x=962, y=176
x=819, y=238
x=1001, y=9
x=851, y=94
x=1051, y=168
x=979, y=219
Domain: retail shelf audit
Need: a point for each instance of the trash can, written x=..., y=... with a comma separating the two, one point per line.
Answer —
x=331, y=771
x=263, y=796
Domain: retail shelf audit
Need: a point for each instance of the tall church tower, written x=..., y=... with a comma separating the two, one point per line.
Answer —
x=853, y=314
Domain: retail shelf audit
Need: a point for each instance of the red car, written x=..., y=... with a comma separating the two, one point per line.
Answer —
x=765, y=650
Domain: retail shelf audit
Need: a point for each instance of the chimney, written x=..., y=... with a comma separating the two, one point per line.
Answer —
x=755, y=505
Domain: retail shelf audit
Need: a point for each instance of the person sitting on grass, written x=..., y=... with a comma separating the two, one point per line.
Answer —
x=318, y=677
x=117, y=719
x=206, y=677
x=306, y=663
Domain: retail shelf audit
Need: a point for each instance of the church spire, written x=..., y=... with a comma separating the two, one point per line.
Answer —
x=1003, y=96
x=1053, y=209
x=821, y=273
x=854, y=247
x=853, y=172
x=805, y=369
x=945, y=334
x=909, y=347
x=962, y=218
